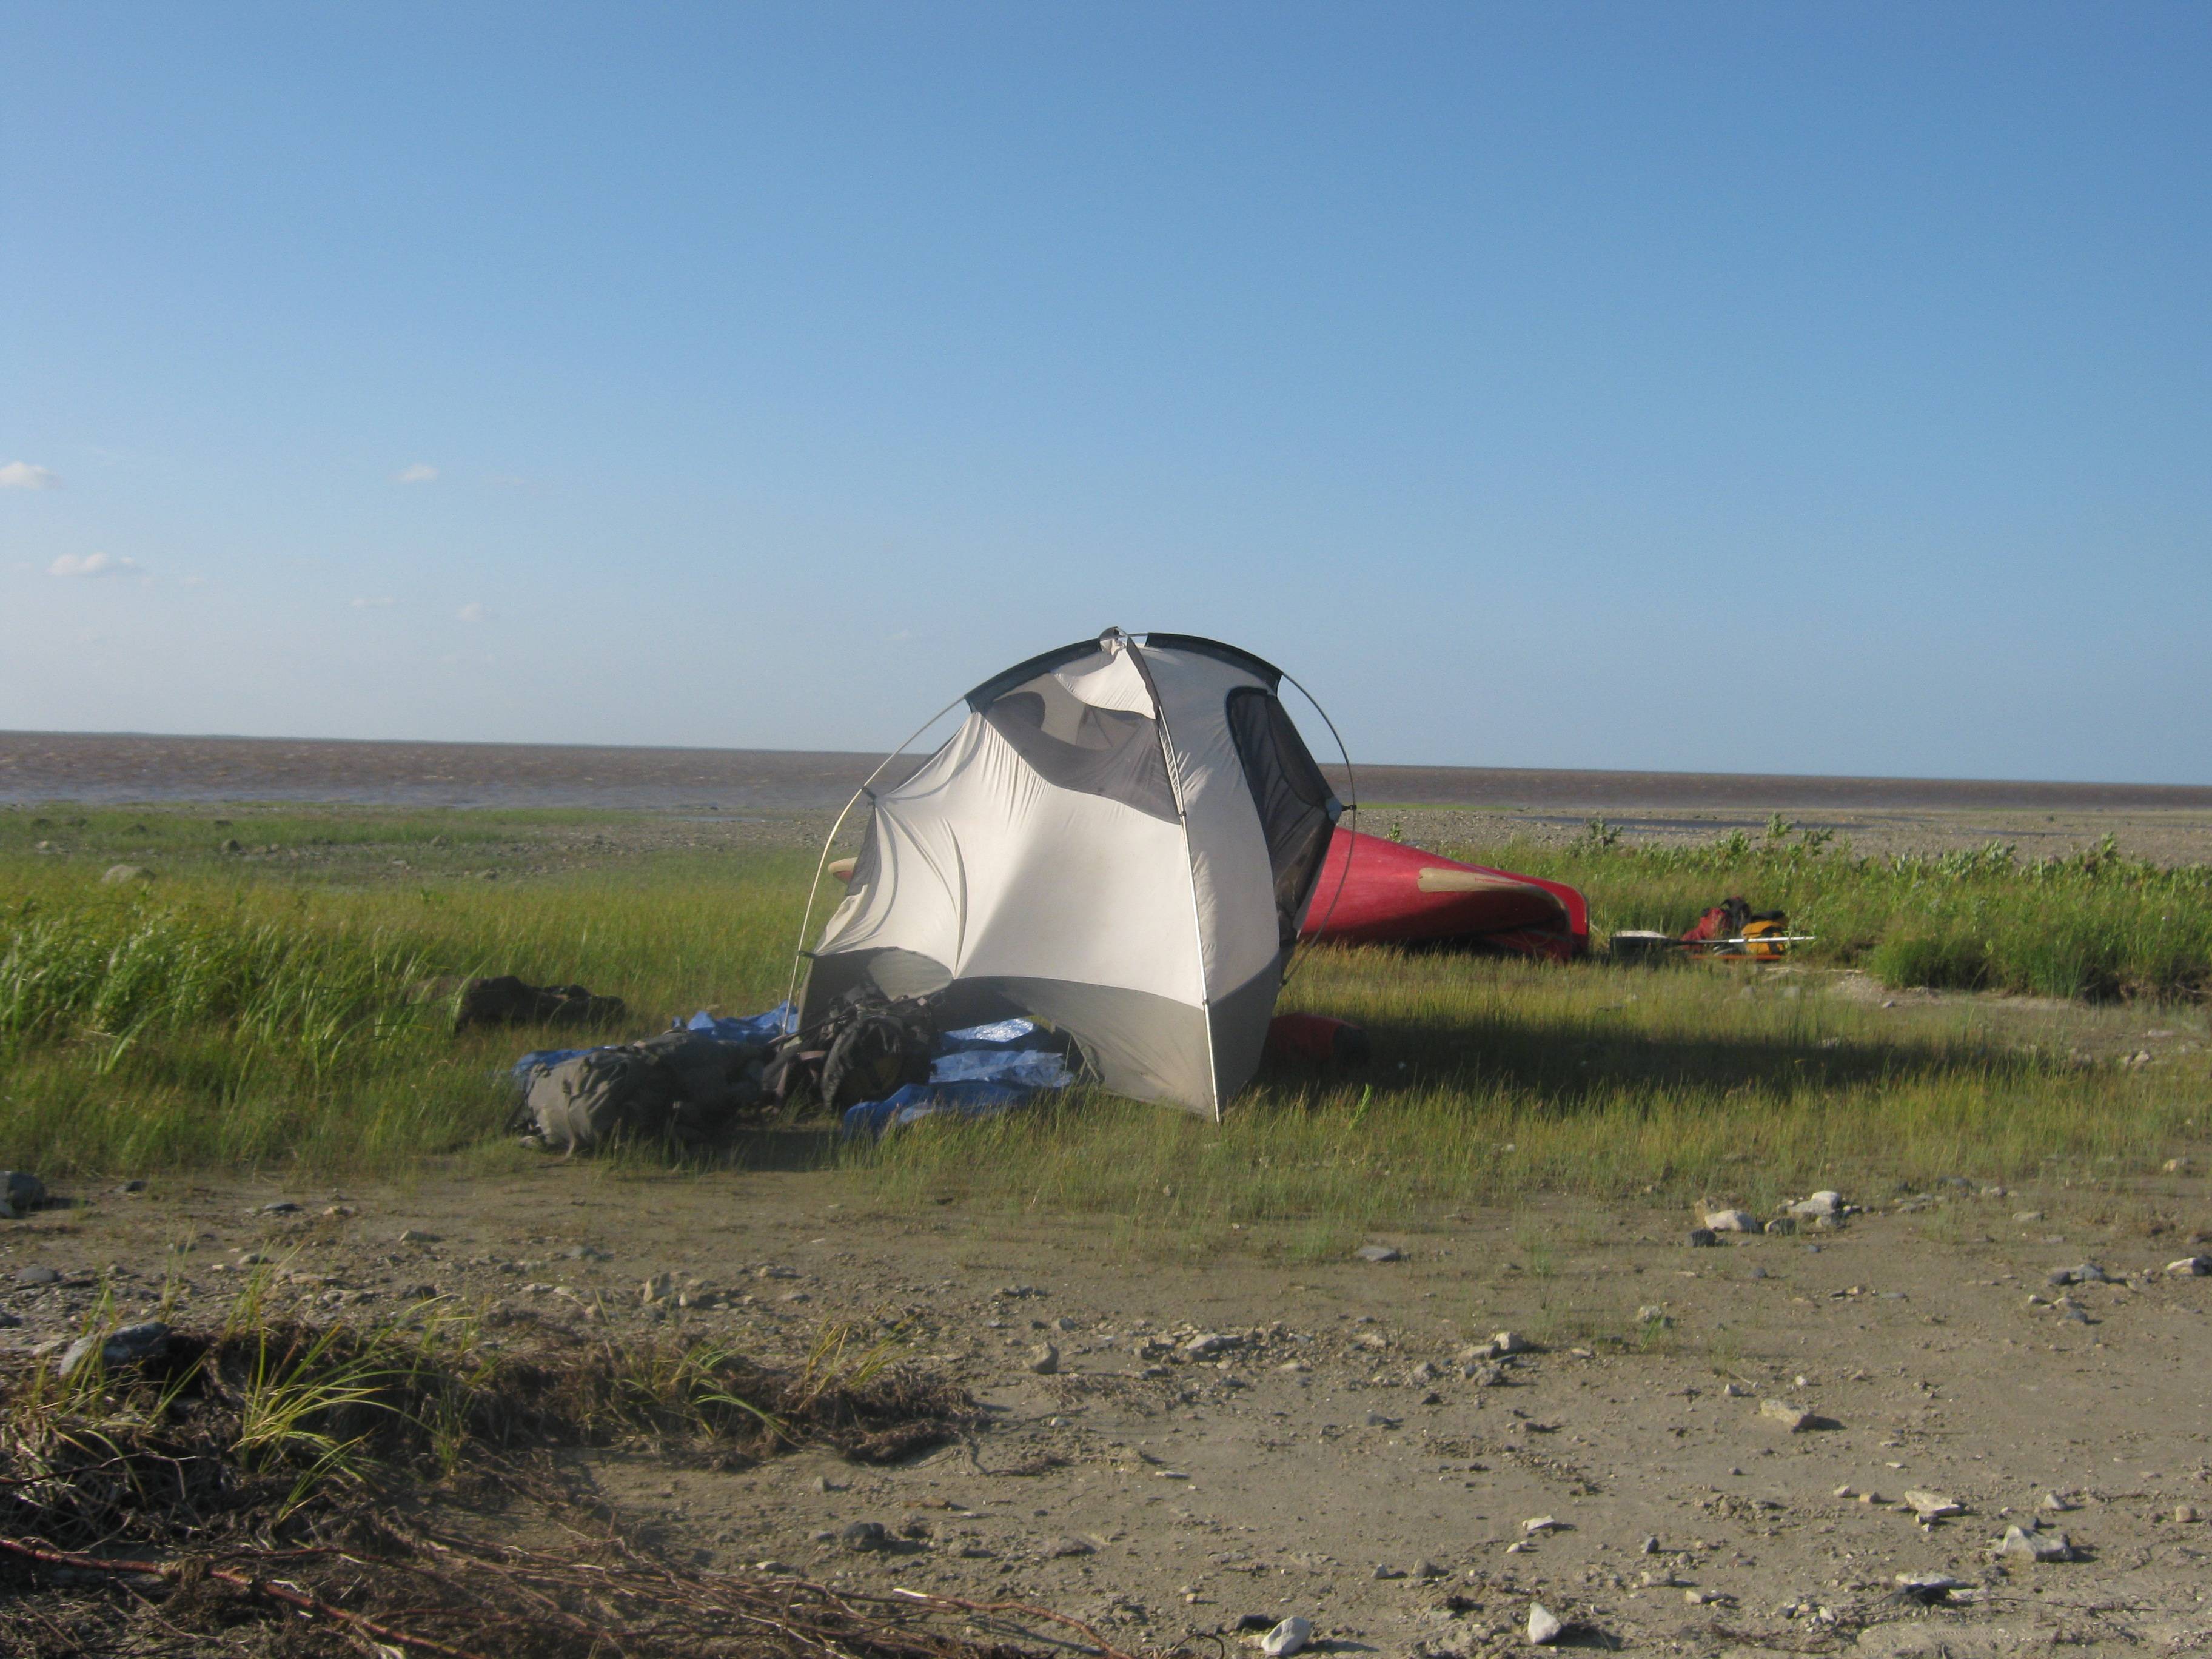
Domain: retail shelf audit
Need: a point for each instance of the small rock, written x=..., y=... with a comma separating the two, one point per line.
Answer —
x=2176, y=1166
x=416, y=1236
x=866, y=1536
x=2057, y=1503
x=22, y=1189
x=1703, y=1238
x=37, y=1274
x=2088, y=1273
x=661, y=1287
x=2186, y=1514
x=2036, y=1546
x=122, y=875
x=1927, y=1587
x=1820, y=1203
x=1932, y=1507
x=1650, y=1546
x=1506, y=1342
x=1062, y=1549
x=282, y=1207
x=1734, y=1391
x=1785, y=1415
x=1044, y=1359
x=1426, y=1569
x=1288, y=1638
x=2195, y=1266
x=126, y=1345
x=1650, y=1316
x=1379, y=1253
x=1545, y=1628
x=1383, y=1569
x=1205, y=1347
x=1732, y=1221
x=1543, y=1523
x=1424, y=1373
x=129, y=1188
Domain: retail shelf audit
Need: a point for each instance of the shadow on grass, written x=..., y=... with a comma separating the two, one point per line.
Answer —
x=1566, y=1064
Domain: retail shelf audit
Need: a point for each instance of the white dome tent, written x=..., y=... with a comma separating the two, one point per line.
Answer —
x=1121, y=840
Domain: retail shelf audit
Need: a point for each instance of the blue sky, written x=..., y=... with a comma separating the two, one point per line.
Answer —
x=1747, y=388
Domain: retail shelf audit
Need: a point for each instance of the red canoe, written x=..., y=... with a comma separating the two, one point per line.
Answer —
x=1400, y=895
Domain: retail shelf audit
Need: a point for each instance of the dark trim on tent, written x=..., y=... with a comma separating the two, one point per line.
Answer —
x=998, y=684
x=1259, y=667
x=1045, y=662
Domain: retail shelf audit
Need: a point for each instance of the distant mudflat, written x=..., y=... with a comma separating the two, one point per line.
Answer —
x=117, y=768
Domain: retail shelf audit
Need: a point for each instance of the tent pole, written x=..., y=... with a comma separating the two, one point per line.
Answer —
x=1351, y=783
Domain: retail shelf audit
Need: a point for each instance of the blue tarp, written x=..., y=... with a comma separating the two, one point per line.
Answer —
x=747, y=1028
x=978, y=1070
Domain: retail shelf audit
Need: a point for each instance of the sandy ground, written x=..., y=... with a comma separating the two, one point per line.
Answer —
x=1330, y=1449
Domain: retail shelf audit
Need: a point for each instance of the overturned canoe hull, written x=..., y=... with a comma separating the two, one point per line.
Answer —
x=1392, y=894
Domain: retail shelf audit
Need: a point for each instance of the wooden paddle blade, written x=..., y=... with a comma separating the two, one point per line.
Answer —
x=1434, y=880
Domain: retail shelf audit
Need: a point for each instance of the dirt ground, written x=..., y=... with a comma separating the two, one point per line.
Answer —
x=1249, y=1437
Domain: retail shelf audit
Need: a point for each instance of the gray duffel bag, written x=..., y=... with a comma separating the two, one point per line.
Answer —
x=609, y=1094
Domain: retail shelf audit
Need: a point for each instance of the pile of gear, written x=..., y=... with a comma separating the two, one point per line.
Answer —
x=876, y=1062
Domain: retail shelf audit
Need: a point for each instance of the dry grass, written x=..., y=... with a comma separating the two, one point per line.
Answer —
x=363, y=1464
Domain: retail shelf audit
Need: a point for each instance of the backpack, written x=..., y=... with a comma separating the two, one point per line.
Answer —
x=593, y=1098
x=863, y=1049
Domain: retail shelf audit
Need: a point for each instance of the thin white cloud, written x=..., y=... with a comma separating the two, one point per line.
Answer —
x=420, y=472
x=22, y=474
x=376, y=604
x=94, y=564
x=473, y=613
x=191, y=581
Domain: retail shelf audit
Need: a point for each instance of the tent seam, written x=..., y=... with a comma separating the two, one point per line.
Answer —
x=1190, y=873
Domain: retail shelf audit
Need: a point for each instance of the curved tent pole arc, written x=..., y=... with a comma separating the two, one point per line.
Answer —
x=806, y=916
x=1351, y=783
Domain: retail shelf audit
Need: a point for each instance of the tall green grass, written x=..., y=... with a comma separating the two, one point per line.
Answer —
x=2096, y=925
x=262, y=1014
x=228, y=1016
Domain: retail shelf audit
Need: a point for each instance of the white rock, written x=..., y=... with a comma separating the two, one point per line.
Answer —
x=1286, y=1638
x=1208, y=1344
x=1932, y=1505
x=2036, y=1546
x=1545, y=1628
x=1542, y=1523
x=1821, y=1203
x=2196, y=1266
x=1785, y=1415
x=1733, y=1221
x=1506, y=1342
